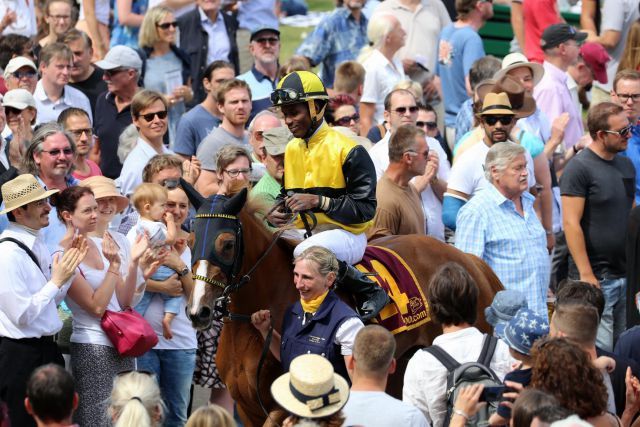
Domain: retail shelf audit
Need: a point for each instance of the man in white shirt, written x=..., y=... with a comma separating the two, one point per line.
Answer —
x=33, y=286
x=453, y=300
x=53, y=94
x=398, y=108
x=369, y=366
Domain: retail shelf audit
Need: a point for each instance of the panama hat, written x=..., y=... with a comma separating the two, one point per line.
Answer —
x=496, y=104
x=101, y=186
x=311, y=389
x=517, y=60
x=522, y=104
x=21, y=191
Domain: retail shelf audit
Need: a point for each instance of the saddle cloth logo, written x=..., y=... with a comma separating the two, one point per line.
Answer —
x=408, y=308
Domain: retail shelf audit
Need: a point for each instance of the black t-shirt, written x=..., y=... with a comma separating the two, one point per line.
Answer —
x=618, y=375
x=608, y=188
x=522, y=376
x=92, y=87
x=109, y=124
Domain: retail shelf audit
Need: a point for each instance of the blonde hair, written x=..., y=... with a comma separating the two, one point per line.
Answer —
x=135, y=401
x=630, y=59
x=210, y=416
x=148, y=193
x=412, y=86
x=322, y=257
x=148, y=35
x=379, y=27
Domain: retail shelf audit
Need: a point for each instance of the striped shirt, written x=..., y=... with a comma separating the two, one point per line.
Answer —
x=514, y=246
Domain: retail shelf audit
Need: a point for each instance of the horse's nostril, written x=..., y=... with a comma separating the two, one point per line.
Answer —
x=204, y=312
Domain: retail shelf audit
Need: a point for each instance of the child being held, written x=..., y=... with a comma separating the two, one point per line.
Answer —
x=519, y=334
x=150, y=200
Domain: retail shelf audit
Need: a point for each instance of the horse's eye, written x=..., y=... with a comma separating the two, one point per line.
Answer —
x=228, y=245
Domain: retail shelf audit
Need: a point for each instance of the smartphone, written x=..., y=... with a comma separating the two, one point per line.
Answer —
x=492, y=394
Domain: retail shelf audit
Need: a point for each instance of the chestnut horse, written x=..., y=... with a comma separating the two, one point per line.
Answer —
x=235, y=255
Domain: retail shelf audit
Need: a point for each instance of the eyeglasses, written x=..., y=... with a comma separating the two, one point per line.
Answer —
x=170, y=183
x=402, y=110
x=150, y=116
x=428, y=125
x=41, y=203
x=280, y=96
x=233, y=173
x=346, y=120
x=12, y=110
x=55, y=153
x=166, y=25
x=60, y=17
x=624, y=97
x=624, y=132
x=267, y=40
x=79, y=132
x=492, y=120
x=22, y=74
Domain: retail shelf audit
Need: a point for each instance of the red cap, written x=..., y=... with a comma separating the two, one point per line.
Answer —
x=596, y=57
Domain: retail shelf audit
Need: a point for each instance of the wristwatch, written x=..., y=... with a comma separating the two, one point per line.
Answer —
x=184, y=271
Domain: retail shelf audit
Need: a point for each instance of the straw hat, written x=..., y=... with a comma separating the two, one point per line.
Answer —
x=496, y=104
x=105, y=187
x=517, y=60
x=311, y=389
x=21, y=191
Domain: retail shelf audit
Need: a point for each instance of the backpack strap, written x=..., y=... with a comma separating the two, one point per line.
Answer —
x=489, y=344
x=24, y=248
x=443, y=357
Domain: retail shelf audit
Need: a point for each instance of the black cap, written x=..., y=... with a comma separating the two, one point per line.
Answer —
x=555, y=34
x=261, y=29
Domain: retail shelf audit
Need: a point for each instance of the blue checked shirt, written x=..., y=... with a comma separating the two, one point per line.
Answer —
x=336, y=39
x=515, y=247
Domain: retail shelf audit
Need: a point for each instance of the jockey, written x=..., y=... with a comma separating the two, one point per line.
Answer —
x=331, y=176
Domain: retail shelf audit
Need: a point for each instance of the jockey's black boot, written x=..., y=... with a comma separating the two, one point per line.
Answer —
x=370, y=298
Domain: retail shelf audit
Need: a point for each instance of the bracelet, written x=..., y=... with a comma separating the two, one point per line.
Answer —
x=548, y=233
x=460, y=412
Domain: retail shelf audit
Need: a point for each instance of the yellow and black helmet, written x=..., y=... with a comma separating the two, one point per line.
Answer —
x=300, y=86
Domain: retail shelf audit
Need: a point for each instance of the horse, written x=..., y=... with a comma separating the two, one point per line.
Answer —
x=240, y=267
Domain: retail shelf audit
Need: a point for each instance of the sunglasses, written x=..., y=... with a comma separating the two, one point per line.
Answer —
x=346, y=120
x=166, y=25
x=492, y=120
x=55, y=153
x=12, y=110
x=624, y=132
x=233, y=173
x=170, y=183
x=22, y=74
x=113, y=72
x=428, y=125
x=280, y=96
x=402, y=110
x=267, y=40
x=150, y=116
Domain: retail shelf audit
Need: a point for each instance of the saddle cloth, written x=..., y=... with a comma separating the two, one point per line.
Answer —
x=408, y=308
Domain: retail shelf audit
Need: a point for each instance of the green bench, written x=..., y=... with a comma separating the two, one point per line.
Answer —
x=497, y=33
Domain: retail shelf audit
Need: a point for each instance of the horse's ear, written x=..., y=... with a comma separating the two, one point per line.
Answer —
x=194, y=197
x=235, y=203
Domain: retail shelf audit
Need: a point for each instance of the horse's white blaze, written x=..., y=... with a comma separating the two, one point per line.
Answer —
x=199, y=286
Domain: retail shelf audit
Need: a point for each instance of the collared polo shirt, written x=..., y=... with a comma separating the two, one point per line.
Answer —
x=218, y=40
x=109, y=125
x=48, y=111
x=135, y=162
x=261, y=88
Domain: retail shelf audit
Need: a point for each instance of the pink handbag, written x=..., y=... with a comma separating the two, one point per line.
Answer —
x=129, y=332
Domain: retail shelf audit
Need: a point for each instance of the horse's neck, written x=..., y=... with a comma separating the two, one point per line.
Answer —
x=271, y=285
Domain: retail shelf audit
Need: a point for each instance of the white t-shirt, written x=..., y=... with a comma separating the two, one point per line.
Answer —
x=467, y=173
x=86, y=326
x=431, y=204
x=379, y=80
x=156, y=230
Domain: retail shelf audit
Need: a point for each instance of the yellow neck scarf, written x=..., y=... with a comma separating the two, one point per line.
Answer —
x=313, y=305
